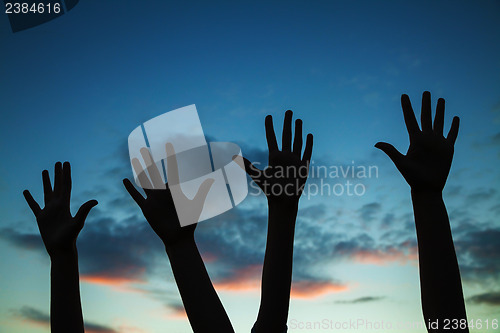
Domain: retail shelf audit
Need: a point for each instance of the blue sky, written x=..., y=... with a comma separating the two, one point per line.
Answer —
x=75, y=87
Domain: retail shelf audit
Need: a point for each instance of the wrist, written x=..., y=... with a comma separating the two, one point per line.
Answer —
x=426, y=193
x=180, y=244
x=64, y=256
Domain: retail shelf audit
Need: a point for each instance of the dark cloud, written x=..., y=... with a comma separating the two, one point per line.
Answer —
x=492, y=299
x=367, y=212
x=38, y=317
x=479, y=255
x=365, y=299
x=480, y=195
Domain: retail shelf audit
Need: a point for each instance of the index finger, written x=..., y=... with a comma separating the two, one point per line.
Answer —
x=409, y=115
x=172, y=167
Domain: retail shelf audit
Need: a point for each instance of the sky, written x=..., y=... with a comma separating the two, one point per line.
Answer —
x=74, y=88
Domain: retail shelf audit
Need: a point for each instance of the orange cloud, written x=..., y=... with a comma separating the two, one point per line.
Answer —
x=308, y=289
x=384, y=257
x=114, y=282
x=246, y=279
x=177, y=313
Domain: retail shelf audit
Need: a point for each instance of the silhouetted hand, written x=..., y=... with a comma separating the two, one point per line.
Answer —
x=427, y=163
x=158, y=207
x=284, y=179
x=282, y=182
x=203, y=307
x=425, y=167
x=59, y=230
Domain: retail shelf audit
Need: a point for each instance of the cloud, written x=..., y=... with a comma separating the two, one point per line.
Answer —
x=480, y=195
x=312, y=289
x=492, y=298
x=368, y=211
x=365, y=299
x=479, y=255
x=35, y=316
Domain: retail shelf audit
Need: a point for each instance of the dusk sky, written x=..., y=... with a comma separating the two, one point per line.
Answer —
x=74, y=88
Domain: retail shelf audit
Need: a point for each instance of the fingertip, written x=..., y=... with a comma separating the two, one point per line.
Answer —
x=289, y=113
x=298, y=122
x=378, y=145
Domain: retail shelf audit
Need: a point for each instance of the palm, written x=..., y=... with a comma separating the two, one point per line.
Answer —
x=287, y=172
x=58, y=228
x=163, y=213
x=427, y=163
x=159, y=210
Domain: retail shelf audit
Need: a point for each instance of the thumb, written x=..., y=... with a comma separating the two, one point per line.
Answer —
x=84, y=210
x=202, y=193
x=246, y=165
x=390, y=151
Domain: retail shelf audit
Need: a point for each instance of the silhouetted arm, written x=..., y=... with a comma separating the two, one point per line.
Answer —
x=282, y=182
x=203, y=307
x=425, y=167
x=59, y=231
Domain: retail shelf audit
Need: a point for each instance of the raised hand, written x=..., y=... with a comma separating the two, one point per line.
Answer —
x=427, y=163
x=284, y=179
x=158, y=207
x=203, y=307
x=59, y=230
x=282, y=182
x=425, y=167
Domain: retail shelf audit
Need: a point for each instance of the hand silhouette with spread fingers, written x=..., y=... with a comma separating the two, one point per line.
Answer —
x=59, y=231
x=58, y=228
x=282, y=182
x=425, y=167
x=286, y=175
x=158, y=207
x=203, y=307
x=427, y=163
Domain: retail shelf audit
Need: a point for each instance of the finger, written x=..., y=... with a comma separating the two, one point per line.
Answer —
x=286, y=139
x=66, y=180
x=246, y=165
x=390, y=151
x=201, y=195
x=141, y=175
x=138, y=198
x=297, y=141
x=47, y=188
x=270, y=136
x=84, y=210
x=153, y=171
x=308, y=149
x=409, y=115
x=425, y=113
x=35, y=208
x=58, y=182
x=172, y=167
x=439, y=118
x=452, y=134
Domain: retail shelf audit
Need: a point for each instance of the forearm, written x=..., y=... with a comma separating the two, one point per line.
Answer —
x=65, y=305
x=277, y=270
x=441, y=287
x=203, y=307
